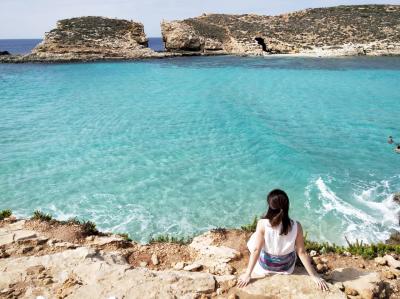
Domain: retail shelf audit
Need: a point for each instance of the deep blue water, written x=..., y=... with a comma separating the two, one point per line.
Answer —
x=24, y=46
x=186, y=144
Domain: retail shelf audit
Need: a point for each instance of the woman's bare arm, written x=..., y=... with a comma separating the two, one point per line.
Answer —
x=254, y=255
x=305, y=259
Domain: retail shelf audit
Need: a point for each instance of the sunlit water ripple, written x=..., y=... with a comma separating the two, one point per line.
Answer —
x=183, y=145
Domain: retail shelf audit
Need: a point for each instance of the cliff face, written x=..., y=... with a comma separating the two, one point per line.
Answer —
x=68, y=260
x=341, y=30
x=94, y=37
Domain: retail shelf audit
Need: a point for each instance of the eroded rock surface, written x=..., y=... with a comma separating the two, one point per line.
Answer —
x=295, y=286
x=90, y=38
x=341, y=30
x=33, y=263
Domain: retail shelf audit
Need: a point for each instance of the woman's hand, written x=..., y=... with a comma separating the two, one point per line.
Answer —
x=243, y=280
x=320, y=282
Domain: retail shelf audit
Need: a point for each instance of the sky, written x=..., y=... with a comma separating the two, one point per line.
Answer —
x=32, y=18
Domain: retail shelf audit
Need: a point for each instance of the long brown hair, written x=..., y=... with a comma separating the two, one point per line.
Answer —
x=278, y=210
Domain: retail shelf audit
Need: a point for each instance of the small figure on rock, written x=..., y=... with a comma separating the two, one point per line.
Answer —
x=274, y=245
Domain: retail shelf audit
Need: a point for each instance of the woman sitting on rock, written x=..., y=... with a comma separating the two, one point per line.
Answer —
x=274, y=245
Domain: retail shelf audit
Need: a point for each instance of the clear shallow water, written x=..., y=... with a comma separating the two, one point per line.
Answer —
x=183, y=145
x=25, y=46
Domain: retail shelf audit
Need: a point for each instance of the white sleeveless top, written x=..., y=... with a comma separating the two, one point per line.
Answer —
x=275, y=244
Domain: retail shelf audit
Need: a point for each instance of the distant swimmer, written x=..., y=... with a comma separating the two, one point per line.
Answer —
x=397, y=149
x=390, y=140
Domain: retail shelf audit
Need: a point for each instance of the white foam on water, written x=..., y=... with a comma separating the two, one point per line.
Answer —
x=387, y=208
x=370, y=225
x=331, y=201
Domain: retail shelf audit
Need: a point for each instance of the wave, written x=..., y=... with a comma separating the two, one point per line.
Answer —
x=368, y=215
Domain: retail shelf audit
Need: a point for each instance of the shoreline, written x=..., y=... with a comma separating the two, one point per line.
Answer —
x=74, y=260
x=8, y=216
x=28, y=59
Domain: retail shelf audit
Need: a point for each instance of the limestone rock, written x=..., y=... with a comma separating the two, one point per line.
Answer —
x=178, y=36
x=392, y=262
x=340, y=30
x=96, y=276
x=91, y=38
x=214, y=258
x=179, y=265
x=366, y=284
x=193, y=267
x=154, y=259
x=225, y=282
x=380, y=261
x=296, y=286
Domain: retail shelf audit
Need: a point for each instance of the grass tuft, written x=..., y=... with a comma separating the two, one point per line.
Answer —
x=38, y=215
x=251, y=227
x=73, y=220
x=125, y=237
x=170, y=239
x=5, y=214
x=367, y=251
x=89, y=228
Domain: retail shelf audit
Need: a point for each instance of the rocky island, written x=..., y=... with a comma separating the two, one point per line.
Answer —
x=334, y=31
x=90, y=39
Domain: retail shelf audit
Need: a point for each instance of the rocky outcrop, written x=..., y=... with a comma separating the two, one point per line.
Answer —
x=341, y=30
x=94, y=36
x=2, y=53
x=38, y=259
x=90, y=38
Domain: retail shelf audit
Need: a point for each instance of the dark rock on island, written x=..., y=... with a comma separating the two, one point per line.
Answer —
x=340, y=30
x=3, y=53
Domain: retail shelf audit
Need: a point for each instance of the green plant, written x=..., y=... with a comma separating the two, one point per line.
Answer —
x=367, y=251
x=125, y=237
x=170, y=239
x=251, y=227
x=73, y=220
x=89, y=228
x=38, y=215
x=5, y=214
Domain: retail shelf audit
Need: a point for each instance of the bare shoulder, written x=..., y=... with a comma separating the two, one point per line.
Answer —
x=261, y=225
x=299, y=228
x=299, y=224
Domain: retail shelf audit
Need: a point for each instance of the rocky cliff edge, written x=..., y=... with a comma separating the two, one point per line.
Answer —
x=332, y=31
x=56, y=259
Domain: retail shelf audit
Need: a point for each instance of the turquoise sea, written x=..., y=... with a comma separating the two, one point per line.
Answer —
x=183, y=145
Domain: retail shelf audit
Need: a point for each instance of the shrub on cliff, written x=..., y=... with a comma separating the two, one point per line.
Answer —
x=170, y=239
x=38, y=215
x=367, y=251
x=125, y=237
x=5, y=214
x=251, y=227
x=89, y=228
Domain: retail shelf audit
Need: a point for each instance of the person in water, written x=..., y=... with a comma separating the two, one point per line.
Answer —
x=397, y=149
x=390, y=140
x=274, y=245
